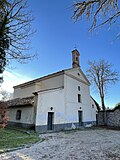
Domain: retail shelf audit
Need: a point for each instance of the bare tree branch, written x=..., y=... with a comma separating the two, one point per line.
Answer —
x=15, y=31
x=94, y=9
x=101, y=74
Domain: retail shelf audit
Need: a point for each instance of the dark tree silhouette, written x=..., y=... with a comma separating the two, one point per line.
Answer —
x=15, y=31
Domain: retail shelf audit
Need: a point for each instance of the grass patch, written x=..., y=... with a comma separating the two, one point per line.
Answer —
x=13, y=138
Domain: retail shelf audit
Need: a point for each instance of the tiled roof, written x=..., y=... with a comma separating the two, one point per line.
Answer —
x=28, y=101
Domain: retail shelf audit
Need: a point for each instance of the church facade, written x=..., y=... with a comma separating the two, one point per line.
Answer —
x=55, y=102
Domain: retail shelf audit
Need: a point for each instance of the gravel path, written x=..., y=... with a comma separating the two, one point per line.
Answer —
x=97, y=144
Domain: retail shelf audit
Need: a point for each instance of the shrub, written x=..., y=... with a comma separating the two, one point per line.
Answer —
x=3, y=114
x=117, y=106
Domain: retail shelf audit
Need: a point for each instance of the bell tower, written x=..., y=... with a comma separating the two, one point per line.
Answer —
x=75, y=58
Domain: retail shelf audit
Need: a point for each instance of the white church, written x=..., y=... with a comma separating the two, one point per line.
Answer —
x=54, y=102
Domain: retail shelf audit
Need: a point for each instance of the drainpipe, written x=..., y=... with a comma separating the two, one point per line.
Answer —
x=35, y=107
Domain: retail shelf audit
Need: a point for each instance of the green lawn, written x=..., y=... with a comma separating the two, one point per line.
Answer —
x=13, y=138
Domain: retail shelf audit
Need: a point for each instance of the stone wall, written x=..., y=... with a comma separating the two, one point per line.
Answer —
x=112, y=118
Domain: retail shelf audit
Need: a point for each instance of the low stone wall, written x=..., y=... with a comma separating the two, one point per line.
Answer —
x=112, y=118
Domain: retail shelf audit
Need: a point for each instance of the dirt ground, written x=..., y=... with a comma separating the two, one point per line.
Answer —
x=88, y=144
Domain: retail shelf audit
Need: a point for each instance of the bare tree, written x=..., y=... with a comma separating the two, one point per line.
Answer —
x=94, y=9
x=5, y=96
x=102, y=76
x=15, y=31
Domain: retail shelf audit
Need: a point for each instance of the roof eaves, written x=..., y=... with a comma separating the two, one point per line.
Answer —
x=85, y=76
x=28, y=101
x=98, y=107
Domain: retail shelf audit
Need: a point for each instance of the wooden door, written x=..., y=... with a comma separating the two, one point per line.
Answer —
x=96, y=119
x=80, y=118
x=50, y=121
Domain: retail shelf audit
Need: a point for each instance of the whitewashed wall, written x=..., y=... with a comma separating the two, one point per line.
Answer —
x=72, y=104
x=76, y=72
x=48, y=99
x=27, y=90
x=23, y=92
x=65, y=103
x=27, y=114
x=54, y=82
x=71, y=98
x=94, y=109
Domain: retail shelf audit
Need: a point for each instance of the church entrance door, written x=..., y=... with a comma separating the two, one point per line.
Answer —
x=50, y=121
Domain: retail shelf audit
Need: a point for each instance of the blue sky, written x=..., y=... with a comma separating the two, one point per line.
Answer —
x=56, y=37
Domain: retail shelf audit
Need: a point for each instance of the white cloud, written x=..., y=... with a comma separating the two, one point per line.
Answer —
x=13, y=78
x=9, y=74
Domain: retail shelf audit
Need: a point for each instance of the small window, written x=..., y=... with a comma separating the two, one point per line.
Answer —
x=78, y=88
x=18, y=115
x=79, y=98
x=76, y=58
x=78, y=74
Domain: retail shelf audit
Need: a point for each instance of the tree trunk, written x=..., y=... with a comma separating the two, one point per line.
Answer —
x=104, y=111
